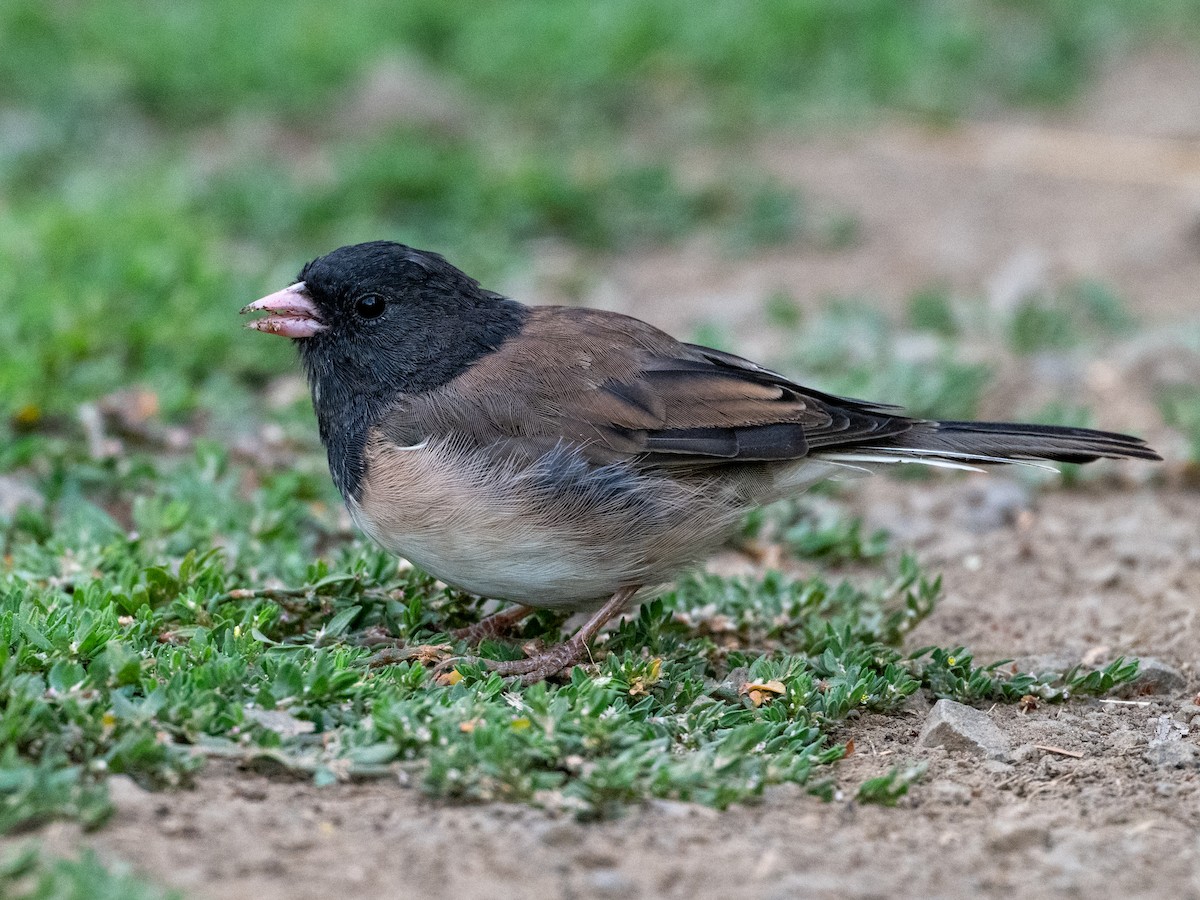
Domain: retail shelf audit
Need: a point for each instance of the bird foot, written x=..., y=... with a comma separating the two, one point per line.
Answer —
x=532, y=669
x=422, y=653
x=395, y=651
x=375, y=636
x=493, y=626
x=540, y=664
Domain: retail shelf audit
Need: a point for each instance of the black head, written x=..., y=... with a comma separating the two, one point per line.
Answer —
x=375, y=321
x=398, y=319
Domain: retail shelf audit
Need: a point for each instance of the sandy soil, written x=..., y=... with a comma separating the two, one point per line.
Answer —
x=1109, y=189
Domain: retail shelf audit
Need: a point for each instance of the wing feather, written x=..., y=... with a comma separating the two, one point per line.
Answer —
x=625, y=390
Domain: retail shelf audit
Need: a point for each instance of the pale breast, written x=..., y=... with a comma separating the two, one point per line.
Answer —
x=555, y=531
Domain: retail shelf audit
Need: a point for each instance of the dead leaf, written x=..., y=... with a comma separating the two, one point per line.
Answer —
x=641, y=683
x=760, y=692
x=773, y=686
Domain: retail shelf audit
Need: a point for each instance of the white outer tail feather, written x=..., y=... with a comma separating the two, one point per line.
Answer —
x=934, y=458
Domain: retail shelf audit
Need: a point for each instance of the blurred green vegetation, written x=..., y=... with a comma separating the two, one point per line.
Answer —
x=852, y=348
x=1180, y=407
x=574, y=60
x=162, y=162
x=1085, y=309
x=27, y=873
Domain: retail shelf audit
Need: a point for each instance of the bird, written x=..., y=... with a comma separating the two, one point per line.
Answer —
x=568, y=458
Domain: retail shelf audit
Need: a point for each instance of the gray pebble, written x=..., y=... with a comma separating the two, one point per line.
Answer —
x=993, y=503
x=611, y=883
x=1172, y=755
x=1188, y=712
x=1024, y=753
x=956, y=726
x=1154, y=677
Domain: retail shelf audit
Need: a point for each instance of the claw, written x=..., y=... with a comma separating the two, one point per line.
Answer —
x=528, y=671
x=422, y=653
x=543, y=663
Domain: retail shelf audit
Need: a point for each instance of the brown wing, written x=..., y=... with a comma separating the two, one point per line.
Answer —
x=625, y=390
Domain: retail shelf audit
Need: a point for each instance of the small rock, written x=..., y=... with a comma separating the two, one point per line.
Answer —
x=1187, y=713
x=610, y=883
x=917, y=705
x=1172, y=755
x=993, y=503
x=956, y=726
x=1154, y=677
x=178, y=826
x=1105, y=576
x=1124, y=741
x=996, y=767
x=1025, y=753
x=1050, y=767
x=735, y=681
x=1167, y=729
x=249, y=790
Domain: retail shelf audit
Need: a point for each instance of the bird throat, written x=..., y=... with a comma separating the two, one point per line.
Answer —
x=347, y=405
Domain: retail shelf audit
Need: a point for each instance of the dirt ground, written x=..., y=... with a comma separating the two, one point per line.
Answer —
x=1109, y=189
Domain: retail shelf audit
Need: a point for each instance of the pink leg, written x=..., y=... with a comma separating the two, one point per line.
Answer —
x=562, y=656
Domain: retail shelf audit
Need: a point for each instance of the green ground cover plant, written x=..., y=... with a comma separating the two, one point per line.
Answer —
x=152, y=615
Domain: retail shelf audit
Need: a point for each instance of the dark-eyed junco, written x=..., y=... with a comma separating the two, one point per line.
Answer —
x=567, y=458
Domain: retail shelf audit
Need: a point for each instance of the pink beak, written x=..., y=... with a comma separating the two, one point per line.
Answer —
x=291, y=313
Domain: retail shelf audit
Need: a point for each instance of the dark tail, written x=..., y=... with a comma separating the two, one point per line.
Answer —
x=977, y=443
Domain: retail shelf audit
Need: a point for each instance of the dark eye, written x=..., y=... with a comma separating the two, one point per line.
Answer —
x=370, y=306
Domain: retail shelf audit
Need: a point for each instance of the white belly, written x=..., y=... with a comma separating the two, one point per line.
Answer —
x=556, y=532
x=497, y=557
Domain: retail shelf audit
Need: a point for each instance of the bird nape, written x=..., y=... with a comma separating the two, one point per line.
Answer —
x=572, y=458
